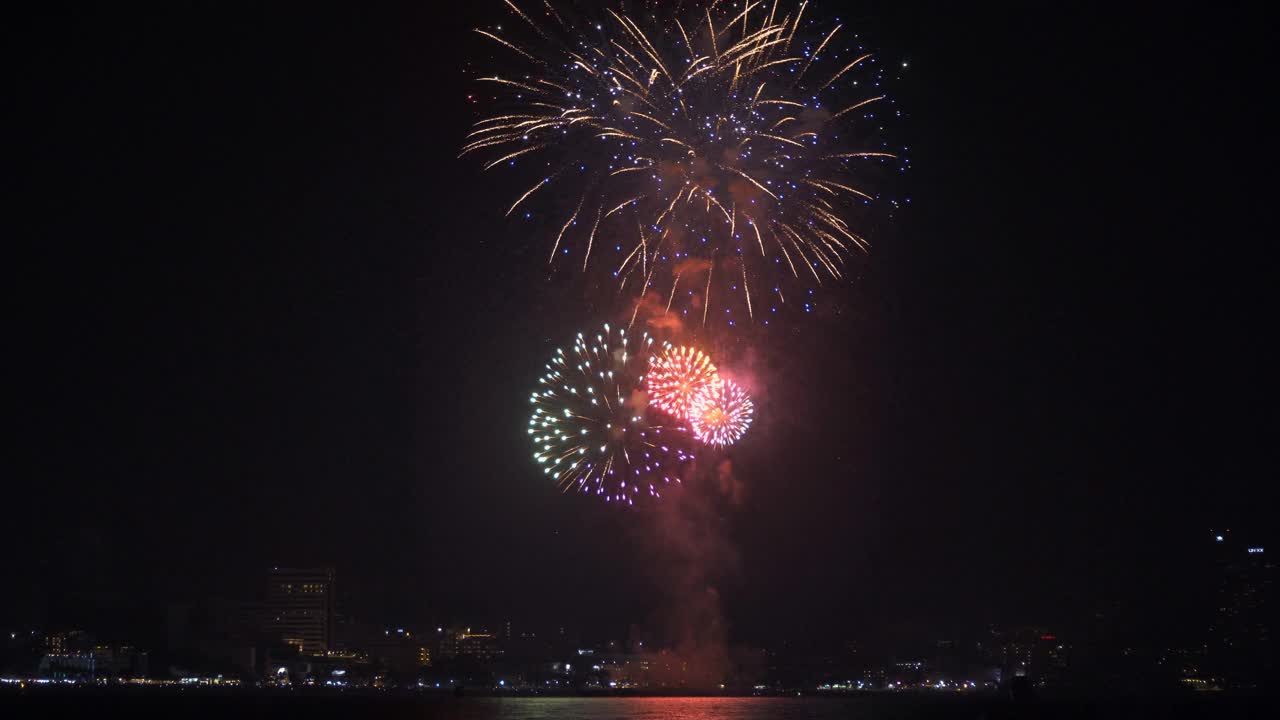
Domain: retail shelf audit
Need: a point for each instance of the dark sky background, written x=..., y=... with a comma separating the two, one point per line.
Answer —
x=262, y=315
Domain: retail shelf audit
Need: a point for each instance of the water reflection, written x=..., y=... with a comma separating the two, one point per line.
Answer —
x=645, y=708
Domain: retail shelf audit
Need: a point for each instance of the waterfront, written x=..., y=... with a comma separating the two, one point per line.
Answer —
x=902, y=707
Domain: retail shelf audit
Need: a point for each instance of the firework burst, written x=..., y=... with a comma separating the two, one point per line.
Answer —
x=715, y=156
x=676, y=375
x=721, y=413
x=590, y=427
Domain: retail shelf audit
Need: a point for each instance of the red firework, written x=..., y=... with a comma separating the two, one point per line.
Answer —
x=721, y=413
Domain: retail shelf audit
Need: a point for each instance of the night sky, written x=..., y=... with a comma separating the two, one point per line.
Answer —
x=262, y=315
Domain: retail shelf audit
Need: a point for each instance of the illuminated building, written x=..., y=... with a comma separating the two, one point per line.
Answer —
x=74, y=655
x=478, y=645
x=1034, y=653
x=1240, y=647
x=68, y=655
x=72, y=665
x=299, y=608
x=399, y=650
x=56, y=643
x=120, y=661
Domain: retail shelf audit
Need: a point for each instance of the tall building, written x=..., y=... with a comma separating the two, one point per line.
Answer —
x=478, y=645
x=1240, y=647
x=68, y=655
x=299, y=608
x=1031, y=652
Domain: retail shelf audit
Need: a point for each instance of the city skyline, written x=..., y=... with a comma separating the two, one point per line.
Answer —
x=293, y=628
